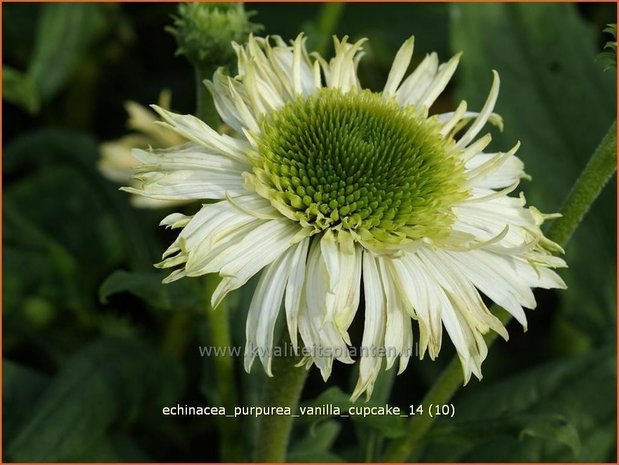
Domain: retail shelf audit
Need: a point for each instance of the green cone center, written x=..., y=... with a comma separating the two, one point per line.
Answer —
x=360, y=163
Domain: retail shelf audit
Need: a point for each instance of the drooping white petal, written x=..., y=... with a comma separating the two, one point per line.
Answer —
x=238, y=263
x=319, y=336
x=264, y=309
x=343, y=264
x=421, y=303
x=398, y=332
x=294, y=288
x=373, y=328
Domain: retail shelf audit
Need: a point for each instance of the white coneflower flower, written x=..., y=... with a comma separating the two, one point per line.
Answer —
x=325, y=185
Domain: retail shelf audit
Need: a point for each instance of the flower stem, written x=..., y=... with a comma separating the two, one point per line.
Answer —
x=585, y=191
x=282, y=390
x=441, y=392
x=219, y=329
x=597, y=173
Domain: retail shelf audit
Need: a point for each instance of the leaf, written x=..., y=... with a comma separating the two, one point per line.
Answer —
x=559, y=411
x=553, y=427
x=61, y=217
x=315, y=445
x=22, y=386
x=66, y=30
x=20, y=89
x=556, y=99
x=109, y=383
x=389, y=426
x=179, y=295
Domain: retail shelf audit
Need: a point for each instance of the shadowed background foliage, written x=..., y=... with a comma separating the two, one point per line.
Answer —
x=94, y=346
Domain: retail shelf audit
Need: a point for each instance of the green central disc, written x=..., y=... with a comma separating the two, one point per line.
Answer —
x=360, y=163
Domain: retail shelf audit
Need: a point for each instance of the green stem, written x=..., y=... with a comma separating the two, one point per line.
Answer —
x=282, y=390
x=441, y=392
x=588, y=186
x=219, y=328
x=597, y=173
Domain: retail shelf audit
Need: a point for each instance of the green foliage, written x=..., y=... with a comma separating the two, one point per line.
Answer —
x=315, y=445
x=560, y=411
x=180, y=295
x=609, y=56
x=65, y=33
x=112, y=383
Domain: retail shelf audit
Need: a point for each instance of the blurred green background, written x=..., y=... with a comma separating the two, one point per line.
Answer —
x=94, y=345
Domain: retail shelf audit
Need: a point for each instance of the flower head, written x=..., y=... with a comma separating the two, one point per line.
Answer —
x=324, y=186
x=204, y=30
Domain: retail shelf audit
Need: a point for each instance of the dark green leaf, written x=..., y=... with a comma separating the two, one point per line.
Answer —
x=111, y=382
x=385, y=425
x=20, y=89
x=180, y=295
x=66, y=30
x=22, y=387
x=560, y=411
x=315, y=445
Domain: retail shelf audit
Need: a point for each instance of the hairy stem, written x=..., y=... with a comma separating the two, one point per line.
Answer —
x=282, y=390
x=219, y=329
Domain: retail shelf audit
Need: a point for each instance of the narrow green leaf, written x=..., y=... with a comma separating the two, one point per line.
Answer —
x=66, y=30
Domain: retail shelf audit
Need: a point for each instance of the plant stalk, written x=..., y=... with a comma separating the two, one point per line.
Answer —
x=282, y=390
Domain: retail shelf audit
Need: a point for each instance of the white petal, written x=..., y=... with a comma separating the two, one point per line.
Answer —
x=484, y=114
x=416, y=84
x=319, y=336
x=399, y=67
x=341, y=72
x=294, y=288
x=507, y=173
x=238, y=263
x=442, y=78
x=421, y=304
x=373, y=328
x=398, y=333
x=196, y=130
x=187, y=172
x=264, y=309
